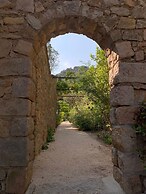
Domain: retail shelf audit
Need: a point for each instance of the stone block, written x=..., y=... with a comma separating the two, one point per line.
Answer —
x=24, y=47
x=145, y=34
x=2, y=175
x=124, y=49
x=121, y=11
x=111, y=2
x=18, y=179
x=4, y=127
x=13, y=20
x=71, y=7
x=127, y=23
x=33, y=22
x=140, y=96
x=21, y=127
x=126, y=115
x=130, y=163
x=31, y=149
x=115, y=156
x=141, y=23
x=122, y=95
x=139, y=55
x=117, y=173
x=131, y=184
x=124, y=138
x=26, y=6
x=24, y=88
x=132, y=35
x=5, y=47
x=15, y=107
x=116, y=35
x=5, y=4
x=13, y=152
x=112, y=116
x=130, y=72
x=39, y=7
x=131, y=3
x=16, y=67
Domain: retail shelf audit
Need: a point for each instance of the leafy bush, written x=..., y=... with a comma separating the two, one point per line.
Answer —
x=91, y=111
x=105, y=136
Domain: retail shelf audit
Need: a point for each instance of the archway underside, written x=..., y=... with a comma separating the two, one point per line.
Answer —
x=27, y=95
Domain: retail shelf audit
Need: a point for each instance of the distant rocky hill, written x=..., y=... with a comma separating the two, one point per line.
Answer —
x=75, y=70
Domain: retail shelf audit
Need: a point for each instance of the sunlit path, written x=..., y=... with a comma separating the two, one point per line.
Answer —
x=75, y=163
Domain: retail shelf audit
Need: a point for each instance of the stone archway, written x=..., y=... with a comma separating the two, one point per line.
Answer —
x=25, y=82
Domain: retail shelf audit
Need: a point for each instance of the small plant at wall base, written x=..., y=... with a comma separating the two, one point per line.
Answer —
x=140, y=125
x=50, y=138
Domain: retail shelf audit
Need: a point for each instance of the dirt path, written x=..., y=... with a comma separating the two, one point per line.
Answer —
x=76, y=163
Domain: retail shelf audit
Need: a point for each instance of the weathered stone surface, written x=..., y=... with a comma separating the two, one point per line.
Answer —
x=138, y=12
x=34, y=22
x=122, y=95
x=5, y=47
x=10, y=36
x=129, y=162
x=118, y=175
x=131, y=3
x=111, y=2
x=124, y=138
x=131, y=183
x=20, y=177
x=15, y=107
x=115, y=156
x=130, y=72
x=140, y=96
x=139, y=55
x=4, y=127
x=111, y=23
x=39, y=7
x=121, y=11
x=2, y=174
x=13, y=152
x=145, y=34
x=132, y=35
x=24, y=88
x=116, y=35
x=5, y=4
x=13, y=20
x=124, y=49
x=26, y=6
x=125, y=115
x=126, y=23
x=24, y=47
x=141, y=23
x=21, y=127
x=71, y=7
x=17, y=66
x=112, y=116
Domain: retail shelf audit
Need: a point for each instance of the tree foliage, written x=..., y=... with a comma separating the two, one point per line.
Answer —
x=53, y=57
x=91, y=112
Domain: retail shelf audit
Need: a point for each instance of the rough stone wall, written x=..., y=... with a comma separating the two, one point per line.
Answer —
x=119, y=27
x=45, y=115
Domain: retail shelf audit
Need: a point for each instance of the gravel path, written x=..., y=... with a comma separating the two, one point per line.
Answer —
x=75, y=163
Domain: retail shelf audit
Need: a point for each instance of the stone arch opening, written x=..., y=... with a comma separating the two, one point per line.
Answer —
x=116, y=27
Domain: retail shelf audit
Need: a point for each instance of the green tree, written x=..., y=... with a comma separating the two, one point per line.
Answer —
x=53, y=57
x=89, y=110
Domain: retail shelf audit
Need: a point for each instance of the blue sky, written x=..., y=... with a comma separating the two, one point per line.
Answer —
x=73, y=49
